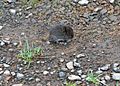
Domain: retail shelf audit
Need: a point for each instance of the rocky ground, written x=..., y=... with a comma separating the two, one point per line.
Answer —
x=95, y=46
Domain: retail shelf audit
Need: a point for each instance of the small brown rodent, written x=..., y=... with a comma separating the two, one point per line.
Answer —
x=61, y=33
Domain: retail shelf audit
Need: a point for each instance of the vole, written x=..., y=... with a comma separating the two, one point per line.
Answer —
x=61, y=34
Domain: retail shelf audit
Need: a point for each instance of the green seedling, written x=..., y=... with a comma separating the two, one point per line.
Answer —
x=70, y=84
x=30, y=2
x=28, y=53
x=91, y=77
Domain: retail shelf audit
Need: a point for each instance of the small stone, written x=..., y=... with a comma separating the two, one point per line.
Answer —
x=29, y=15
x=13, y=11
x=116, y=76
x=105, y=68
x=22, y=34
x=11, y=49
x=80, y=55
x=39, y=84
x=97, y=9
x=107, y=77
x=45, y=72
x=38, y=62
x=7, y=72
x=103, y=11
x=48, y=42
x=61, y=74
x=74, y=77
x=1, y=72
x=76, y=64
x=62, y=53
x=83, y=76
x=62, y=60
x=6, y=65
x=2, y=43
x=13, y=73
x=111, y=1
x=75, y=1
x=70, y=65
x=11, y=1
x=17, y=85
x=83, y=2
x=20, y=75
x=37, y=79
x=79, y=72
x=15, y=44
x=103, y=82
x=1, y=27
x=112, y=18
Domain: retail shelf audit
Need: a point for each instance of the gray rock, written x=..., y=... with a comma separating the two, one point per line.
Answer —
x=107, y=77
x=103, y=11
x=62, y=74
x=113, y=18
x=80, y=55
x=76, y=64
x=13, y=73
x=12, y=11
x=20, y=75
x=6, y=65
x=105, y=68
x=37, y=79
x=79, y=72
x=74, y=77
x=111, y=1
x=69, y=65
x=116, y=76
x=17, y=85
x=83, y=2
x=1, y=27
x=116, y=67
x=75, y=1
x=2, y=43
x=7, y=72
x=45, y=72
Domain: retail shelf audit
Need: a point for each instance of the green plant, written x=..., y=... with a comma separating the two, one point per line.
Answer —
x=91, y=77
x=28, y=53
x=70, y=84
x=30, y=2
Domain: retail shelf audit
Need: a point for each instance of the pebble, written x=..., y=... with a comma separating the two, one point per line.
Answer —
x=11, y=1
x=69, y=65
x=7, y=72
x=37, y=79
x=61, y=74
x=116, y=76
x=1, y=27
x=74, y=77
x=79, y=72
x=2, y=43
x=80, y=55
x=105, y=68
x=13, y=73
x=13, y=11
x=17, y=85
x=107, y=77
x=76, y=64
x=45, y=72
x=112, y=18
x=6, y=65
x=116, y=67
x=83, y=2
x=62, y=60
x=15, y=44
x=75, y=1
x=103, y=11
x=111, y=1
x=20, y=75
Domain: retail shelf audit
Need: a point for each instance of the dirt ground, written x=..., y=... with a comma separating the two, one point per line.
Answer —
x=98, y=39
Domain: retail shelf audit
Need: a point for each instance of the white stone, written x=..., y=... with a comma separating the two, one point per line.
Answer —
x=106, y=67
x=7, y=72
x=13, y=73
x=83, y=2
x=70, y=65
x=80, y=55
x=37, y=79
x=6, y=65
x=45, y=72
x=111, y=1
x=13, y=11
x=1, y=27
x=74, y=77
x=20, y=76
x=2, y=43
x=79, y=72
x=107, y=77
x=116, y=76
x=17, y=85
